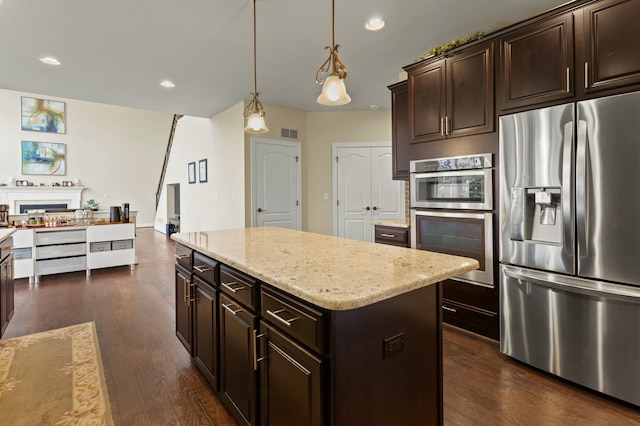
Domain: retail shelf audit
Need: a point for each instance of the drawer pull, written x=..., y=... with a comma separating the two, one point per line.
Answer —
x=446, y=308
x=233, y=289
x=202, y=268
x=230, y=309
x=181, y=256
x=388, y=235
x=275, y=315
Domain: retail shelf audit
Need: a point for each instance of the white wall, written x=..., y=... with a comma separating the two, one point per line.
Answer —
x=116, y=152
x=219, y=202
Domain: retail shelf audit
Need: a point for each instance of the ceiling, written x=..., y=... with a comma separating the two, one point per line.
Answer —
x=118, y=51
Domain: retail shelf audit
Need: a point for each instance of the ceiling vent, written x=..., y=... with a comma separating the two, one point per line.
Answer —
x=289, y=133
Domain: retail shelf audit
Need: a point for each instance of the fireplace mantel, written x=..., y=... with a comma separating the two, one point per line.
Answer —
x=14, y=196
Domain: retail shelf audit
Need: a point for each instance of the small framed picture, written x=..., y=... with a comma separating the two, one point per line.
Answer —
x=192, y=172
x=203, y=170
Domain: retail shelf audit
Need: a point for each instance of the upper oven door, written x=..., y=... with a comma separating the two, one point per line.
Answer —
x=466, y=234
x=461, y=189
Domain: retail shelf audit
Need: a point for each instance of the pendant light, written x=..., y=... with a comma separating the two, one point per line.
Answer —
x=334, y=91
x=254, y=112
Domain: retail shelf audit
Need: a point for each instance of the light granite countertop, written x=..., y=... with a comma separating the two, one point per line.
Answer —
x=330, y=272
x=397, y=223
x=5, y=233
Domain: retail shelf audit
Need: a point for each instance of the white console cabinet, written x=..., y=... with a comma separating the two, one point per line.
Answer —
x=110, y=245
x=23, y=254
x=44, y=251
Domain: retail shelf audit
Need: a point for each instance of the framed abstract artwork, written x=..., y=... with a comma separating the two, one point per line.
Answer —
x=44, y=158
x=192, y=172
x=203, y=170
x=41, y=115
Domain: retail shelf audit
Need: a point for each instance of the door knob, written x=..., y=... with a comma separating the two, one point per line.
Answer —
x=260, y=210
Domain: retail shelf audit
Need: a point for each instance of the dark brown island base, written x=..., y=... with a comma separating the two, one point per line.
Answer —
x=296, y=328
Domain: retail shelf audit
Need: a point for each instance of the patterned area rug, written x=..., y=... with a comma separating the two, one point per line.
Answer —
x=53, y=378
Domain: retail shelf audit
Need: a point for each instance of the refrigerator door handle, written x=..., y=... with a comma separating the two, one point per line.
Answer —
x=574, y=284
x=567, y=185
x=581, y=188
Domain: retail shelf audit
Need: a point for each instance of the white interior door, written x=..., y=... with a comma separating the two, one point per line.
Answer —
x=364, y=189
x=387, y=195
x=354, y=193
x=276, y=184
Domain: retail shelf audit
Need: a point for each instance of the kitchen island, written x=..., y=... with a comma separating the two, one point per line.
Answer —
x=338, y=331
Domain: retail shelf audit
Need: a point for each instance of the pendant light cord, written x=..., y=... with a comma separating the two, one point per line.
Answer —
x=255, y=68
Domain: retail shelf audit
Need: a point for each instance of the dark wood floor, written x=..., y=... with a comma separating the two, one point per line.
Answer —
x=151, y=380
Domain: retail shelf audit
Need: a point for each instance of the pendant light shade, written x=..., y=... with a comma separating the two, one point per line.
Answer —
x=254, y=113
x=334, y=91
x=255, y=123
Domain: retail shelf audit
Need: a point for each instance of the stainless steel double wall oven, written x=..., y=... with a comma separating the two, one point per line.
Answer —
x=451, y=210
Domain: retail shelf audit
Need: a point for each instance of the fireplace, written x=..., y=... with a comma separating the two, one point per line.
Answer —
x=22, y=198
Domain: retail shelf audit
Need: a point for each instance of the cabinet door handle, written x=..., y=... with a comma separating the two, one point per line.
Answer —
x=441, y=126
x=568, y=82
x=256, y=360
x=232, y=289
x=185, y=285
x=388, y=235
x=447, y=121
x=446, y=308
x=181, y=256
x=586, y=75
x=202, y=268
x=230, y=309
x=275, y=315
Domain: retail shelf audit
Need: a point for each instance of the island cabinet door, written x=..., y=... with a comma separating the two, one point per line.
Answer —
x=184, y=320
x=291, y=384
x=238, y=386
x=205, y=330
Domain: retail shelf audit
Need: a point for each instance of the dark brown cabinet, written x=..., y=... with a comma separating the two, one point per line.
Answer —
x=471, y=307
x=611, y=54
x=238, y=369
x=291, y=381
x=400, y=131
x=6, y=284
x=453, y=96
x=205, y=330
x=184, y=318
x=391, y=235
x=537, y=63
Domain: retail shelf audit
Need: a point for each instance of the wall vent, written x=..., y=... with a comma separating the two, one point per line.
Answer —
x=289, y=133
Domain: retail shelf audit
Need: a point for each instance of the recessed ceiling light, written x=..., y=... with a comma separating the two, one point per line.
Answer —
x=49, y=60
x=374, y=24
x=373, y=107
x=167, y=84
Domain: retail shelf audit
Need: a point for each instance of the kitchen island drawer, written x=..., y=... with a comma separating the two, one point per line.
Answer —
x=56, y=266
x=60, y=237
x=295, y=318
x=205, y=268
x=240, y=286
x=63, y=250
x=184, y=256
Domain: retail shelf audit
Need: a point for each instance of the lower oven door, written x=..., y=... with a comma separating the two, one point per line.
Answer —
x=457, y=233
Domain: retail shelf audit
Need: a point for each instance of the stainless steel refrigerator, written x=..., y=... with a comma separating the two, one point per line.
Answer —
x=570, y=242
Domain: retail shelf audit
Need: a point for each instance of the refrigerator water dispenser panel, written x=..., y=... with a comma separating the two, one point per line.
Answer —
x=534, y=215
